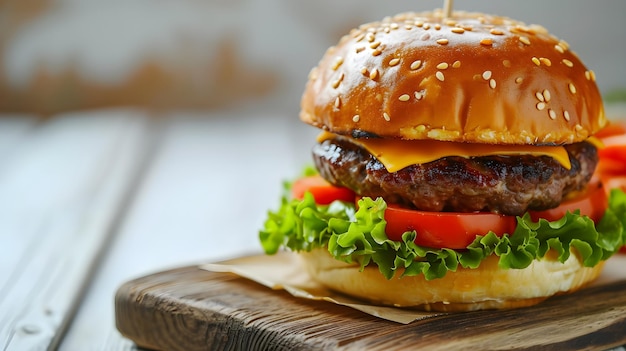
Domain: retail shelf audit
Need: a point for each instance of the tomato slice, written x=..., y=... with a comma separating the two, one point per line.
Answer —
x=456, y=230
x=592, y=203
x=612, y=157
x=614, y=148
x=452, y=230
x=323, y=192
x=611, y=167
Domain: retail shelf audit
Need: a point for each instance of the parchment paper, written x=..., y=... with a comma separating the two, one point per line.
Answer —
x=284, y=271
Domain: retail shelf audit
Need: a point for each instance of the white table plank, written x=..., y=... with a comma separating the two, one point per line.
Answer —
x=60, y=192
x=13, y=129
x=204, y=199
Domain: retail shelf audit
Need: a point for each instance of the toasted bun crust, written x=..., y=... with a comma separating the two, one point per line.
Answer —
x=487, y=287
x=471, y=78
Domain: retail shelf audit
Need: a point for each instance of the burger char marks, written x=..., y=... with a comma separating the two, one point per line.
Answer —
x=502, y=184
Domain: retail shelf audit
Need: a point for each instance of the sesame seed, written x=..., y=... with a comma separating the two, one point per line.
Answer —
x=404, y=97
x=593, y=75
x=419, y=23
x=408, y=27
x=457, y=30
x=376, y=52
x=442, y=65
x=587, y=75
x=374, y=74
x=426, y=26
x=456, y=64
x=552, y=114
x=524, y=40
x=359, y=49
x=566, y=115
x=568, y=63
x=541, y=105
x=442, y=41
x=492, y=83
x=386, y=117
x=418, y=95
x=563, y=44
x=364, y=70
x=394, y=62
x=370, y=37
x=559, y=48
x=546, y=95
x=536, y=61
x=506, y=63
x=439, y=76
x=437, y=26
x=486, y=42
x=425, y=36
x=572, y=88
x=495, y=31
x=338, y=62
x=539, y=96
x=360, y=37
x=519, y=80
x=394, y=26
x=416, y=64
x=336, y=83
x=375, y=45
x=450, y=23
x=486, y=75
x=545, y=61
x=337, y=102
x=356, y=118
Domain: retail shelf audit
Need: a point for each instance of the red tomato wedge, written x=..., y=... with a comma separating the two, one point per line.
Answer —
x=323, y=192
x=614, y=148
x=452, y=230
x=611, y=167
x=592, y=203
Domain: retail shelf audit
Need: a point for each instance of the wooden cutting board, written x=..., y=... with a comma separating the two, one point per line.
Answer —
x=193, y=309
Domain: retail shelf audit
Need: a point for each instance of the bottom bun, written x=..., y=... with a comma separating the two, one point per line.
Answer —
x=486, y=287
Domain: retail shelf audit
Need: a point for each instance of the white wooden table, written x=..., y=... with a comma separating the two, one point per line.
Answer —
x=90, y=200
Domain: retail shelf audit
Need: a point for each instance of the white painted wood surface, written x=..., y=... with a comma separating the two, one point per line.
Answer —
x=62, y=185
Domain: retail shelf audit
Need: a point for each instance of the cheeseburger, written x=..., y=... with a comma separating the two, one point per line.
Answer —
x=453, y=170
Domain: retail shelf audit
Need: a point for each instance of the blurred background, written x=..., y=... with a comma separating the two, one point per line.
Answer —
x=59, y=55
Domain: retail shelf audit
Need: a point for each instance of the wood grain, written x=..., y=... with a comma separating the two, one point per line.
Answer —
x=193, y=309
x=63, y=184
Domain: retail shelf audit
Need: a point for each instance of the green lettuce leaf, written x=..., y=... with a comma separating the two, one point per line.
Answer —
x=352, y=235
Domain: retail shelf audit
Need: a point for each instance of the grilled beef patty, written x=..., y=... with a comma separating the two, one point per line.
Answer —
x=508, y=185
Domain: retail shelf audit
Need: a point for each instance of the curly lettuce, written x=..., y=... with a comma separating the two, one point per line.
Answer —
x=358, y=235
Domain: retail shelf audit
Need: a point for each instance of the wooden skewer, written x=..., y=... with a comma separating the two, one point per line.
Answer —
x=447, y=8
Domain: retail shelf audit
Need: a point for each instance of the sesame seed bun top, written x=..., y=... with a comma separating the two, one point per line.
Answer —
x=470, y=77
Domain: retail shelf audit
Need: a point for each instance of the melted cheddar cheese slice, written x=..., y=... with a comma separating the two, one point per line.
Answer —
x=398, y=154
